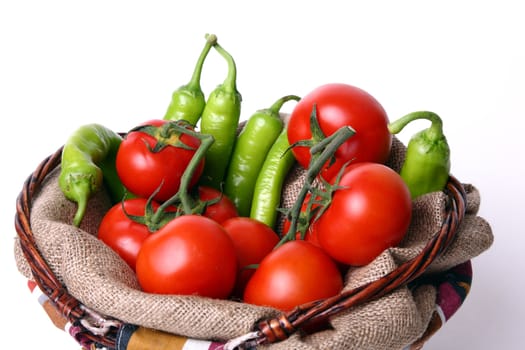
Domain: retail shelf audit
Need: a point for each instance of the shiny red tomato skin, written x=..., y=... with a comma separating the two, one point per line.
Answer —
x=253, y=240
x=295, y=273
x=121, y=233
x=190, y=255
x=341, y=105
x=142, y=171
x=220, y=211
x=371, y=214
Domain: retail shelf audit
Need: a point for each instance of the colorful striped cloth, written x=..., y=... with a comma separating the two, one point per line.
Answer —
x=131, y=337
x=452, y=288
x=57, y=318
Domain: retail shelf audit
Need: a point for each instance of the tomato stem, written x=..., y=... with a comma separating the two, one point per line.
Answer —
x=317, y=138
x=186, y=200
x=183, y=196
x=321, y=153
x=168, y=134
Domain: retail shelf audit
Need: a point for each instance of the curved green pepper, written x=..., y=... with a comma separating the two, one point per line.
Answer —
x=253, y=143
x=426, y=167
x=188, y=101
x=220, y=119
x=270, y=181
x=88, y=161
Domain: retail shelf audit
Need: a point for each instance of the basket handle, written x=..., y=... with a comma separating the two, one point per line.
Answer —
x=43, y=276
x=265, y=331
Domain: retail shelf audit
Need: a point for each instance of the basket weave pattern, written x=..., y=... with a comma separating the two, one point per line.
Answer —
x=270, y=330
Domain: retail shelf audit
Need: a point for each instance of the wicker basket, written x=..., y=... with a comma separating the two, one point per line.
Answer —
x=267, y=330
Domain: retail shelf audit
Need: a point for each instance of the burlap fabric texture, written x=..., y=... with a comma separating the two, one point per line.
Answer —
x=97, y=277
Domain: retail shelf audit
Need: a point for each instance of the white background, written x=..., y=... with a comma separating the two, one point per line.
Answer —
x=67, y=63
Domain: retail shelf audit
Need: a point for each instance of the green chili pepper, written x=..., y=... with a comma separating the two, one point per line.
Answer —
x=220, y=119
x=88, y=161
x=253, y=143
x=188, y=101
x=270, y=181
x=426, y=167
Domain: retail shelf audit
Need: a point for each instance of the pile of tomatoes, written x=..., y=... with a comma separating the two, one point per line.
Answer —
x=218, y=254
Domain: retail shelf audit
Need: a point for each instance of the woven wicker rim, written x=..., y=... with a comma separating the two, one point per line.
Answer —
x=265, y=331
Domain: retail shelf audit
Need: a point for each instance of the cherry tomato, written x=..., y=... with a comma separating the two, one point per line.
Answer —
x=122, y=234
x=190, y=255
x=143, y=171
x=370, y=215
x=253, y=240
x=295, y=273
x=341, y=105
x=220, y=211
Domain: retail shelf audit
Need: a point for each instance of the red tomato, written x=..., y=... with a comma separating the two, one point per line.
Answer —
x=370, y=215
x=122, y=234
x=341, y=105
x=143, y=171
x=190, y=255
x=295, y=273
x=253, y=240
x=222, y=210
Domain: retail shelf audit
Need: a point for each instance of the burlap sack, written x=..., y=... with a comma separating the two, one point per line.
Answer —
x=97, y=277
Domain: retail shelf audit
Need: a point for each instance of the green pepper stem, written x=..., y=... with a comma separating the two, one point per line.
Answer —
x=434, y=132
x=276, y=107
x=230, y=83
x=195, y=81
